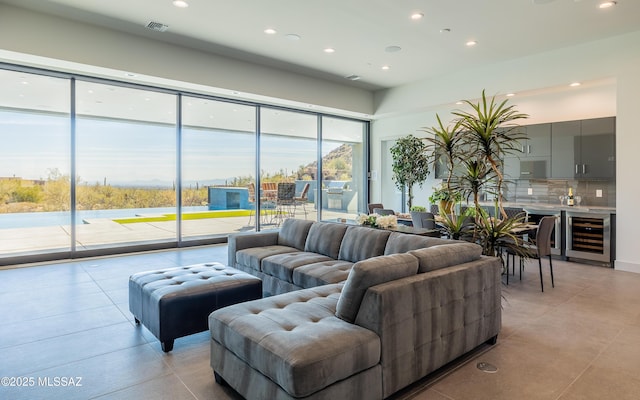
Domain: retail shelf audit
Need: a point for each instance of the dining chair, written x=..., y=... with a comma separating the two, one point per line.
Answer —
x=251, y=187
x=284, y=201
x=540, y=248
x=303, y=199
x=384, y=211
x=425, y=220
x=372, y=206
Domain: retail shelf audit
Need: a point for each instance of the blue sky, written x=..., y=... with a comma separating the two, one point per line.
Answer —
x=135, y=152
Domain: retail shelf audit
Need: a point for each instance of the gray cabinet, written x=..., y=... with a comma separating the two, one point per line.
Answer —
x=583, y=149
x=534, y=158
x=598, y=149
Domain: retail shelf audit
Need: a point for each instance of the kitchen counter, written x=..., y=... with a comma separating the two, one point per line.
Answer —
x=529, y=207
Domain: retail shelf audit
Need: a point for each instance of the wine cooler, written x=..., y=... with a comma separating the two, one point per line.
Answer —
x=589, y=236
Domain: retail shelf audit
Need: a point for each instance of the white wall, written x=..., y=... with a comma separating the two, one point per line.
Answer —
x=64, y=44
x=609, y=69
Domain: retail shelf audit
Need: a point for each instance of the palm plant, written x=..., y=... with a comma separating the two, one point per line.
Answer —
x=495, y=233
x=445, y=145
x=457, y=226
x=490, y=134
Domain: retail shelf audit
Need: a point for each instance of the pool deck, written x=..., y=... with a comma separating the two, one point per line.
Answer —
x=96, y=233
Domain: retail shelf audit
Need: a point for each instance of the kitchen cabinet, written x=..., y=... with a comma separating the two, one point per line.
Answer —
x=583, y=149
x=534, y=158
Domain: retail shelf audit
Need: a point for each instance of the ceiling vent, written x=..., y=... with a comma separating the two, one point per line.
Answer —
x=157, y=26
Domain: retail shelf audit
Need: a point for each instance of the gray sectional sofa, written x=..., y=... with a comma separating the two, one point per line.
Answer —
x=356, y=313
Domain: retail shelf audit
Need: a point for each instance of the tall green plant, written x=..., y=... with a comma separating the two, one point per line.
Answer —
x=410, y=164
x=490, y=135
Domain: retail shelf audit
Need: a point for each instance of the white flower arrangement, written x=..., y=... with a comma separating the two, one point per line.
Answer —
x=387, y=221
x=379, y=221
x=364, y=219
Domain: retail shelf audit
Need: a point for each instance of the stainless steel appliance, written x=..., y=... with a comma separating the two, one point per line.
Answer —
x=535, y=215
x=589, y=236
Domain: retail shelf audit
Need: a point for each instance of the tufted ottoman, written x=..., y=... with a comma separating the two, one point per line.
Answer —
x=176, y=302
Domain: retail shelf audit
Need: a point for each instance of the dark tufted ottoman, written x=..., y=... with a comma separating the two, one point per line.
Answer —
x=176, y=302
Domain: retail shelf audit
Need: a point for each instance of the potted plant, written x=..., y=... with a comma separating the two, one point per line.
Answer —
x=489, y=135
x=410, y=164
x=478, y=142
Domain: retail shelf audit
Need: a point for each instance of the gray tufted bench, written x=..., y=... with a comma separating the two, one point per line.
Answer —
x=176, y=302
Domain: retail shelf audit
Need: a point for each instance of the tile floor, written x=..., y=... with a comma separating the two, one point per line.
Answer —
x=579, y=340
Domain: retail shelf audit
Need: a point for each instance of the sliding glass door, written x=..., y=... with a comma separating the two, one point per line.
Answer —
x=218, y=167
x=288, y=159
x=343, y=168
x=34, y=164
x=126, y=166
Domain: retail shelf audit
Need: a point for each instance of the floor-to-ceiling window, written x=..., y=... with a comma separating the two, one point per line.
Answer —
x=126, y=165
x=218, y=167
x=34, y=164
x=89, y=166
x=343, y=167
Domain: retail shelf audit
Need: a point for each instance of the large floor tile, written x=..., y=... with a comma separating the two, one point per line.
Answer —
x=16, y=333
x=33, y=357
x=600, y=383
x=165, y=387
x=100, y=375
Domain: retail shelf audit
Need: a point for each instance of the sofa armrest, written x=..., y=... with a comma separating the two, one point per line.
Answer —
x=239, y=241
x=427, y=320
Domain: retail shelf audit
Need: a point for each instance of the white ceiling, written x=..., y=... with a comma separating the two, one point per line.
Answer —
x=361, y=30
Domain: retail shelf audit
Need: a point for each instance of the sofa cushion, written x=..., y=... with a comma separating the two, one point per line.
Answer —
x=322, y=273
x=360, y=243
x=282, y=266
x=295, y=339
x=325, y=238
x=293, y=233
x=402, y=242
x=252, y=257
x=372, y=272
x=443, y=256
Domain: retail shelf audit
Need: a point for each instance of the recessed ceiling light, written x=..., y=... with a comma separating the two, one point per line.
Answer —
x=471, y=43
x=329, y=50
x=417, y=15
x=607, y=4
x=270, y=31
x=292, y=36
x=574, y=84
x=353, y=77
x=392, y=49
x=510, y=94
x=445, y=30
x=458, y=102
x=180, y=3
x=386, y=67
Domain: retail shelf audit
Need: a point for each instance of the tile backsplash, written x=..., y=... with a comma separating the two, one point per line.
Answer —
x=548, y=191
